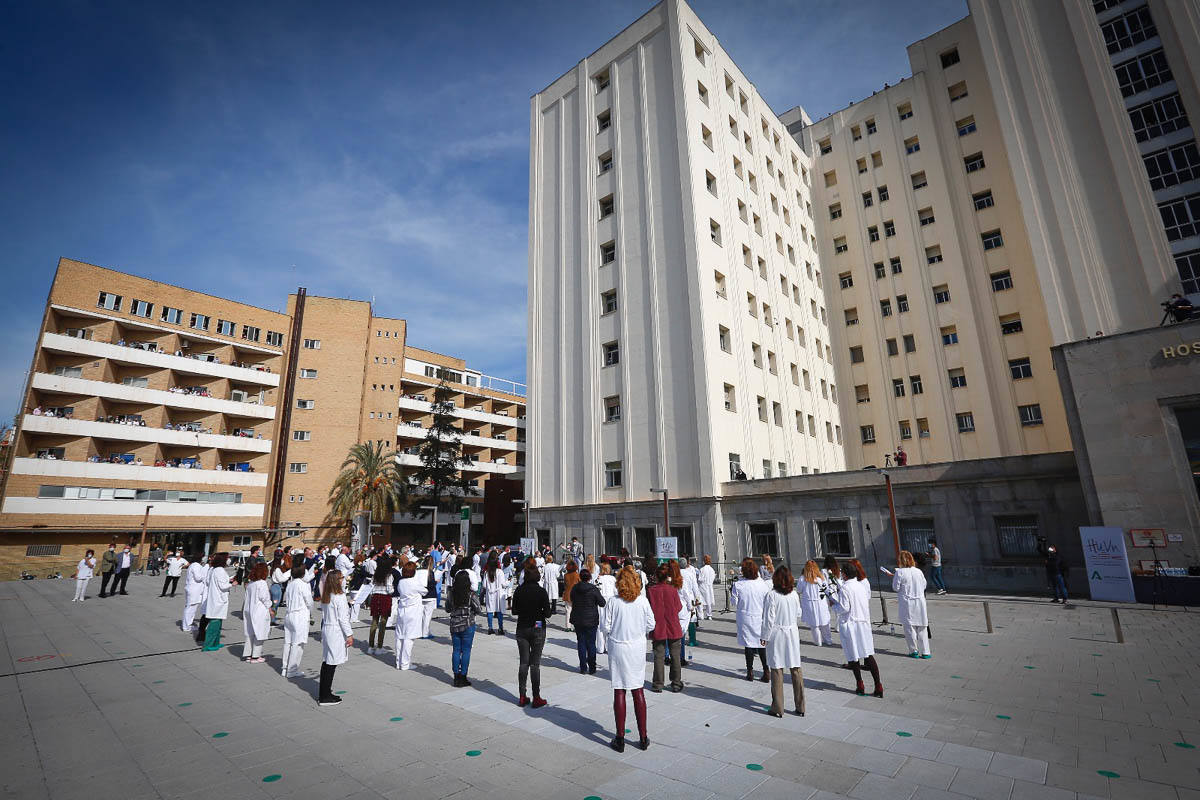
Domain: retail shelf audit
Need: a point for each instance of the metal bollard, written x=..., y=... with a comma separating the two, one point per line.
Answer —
x=987, y=615
x=1117, y=627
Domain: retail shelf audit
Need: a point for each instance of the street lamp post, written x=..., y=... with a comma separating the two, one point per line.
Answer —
x=142, y=541
x=525, y=512
x=892, y=511
x=434, y=509
x=666, y=511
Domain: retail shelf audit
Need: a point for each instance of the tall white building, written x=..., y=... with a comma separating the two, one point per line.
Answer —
x=678, y=330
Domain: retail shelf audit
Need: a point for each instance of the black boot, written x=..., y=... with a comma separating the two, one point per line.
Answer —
x=325, y=695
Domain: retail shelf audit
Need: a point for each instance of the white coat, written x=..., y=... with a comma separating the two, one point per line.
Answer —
x=298, y=596
x=626, y=625
x=550, y=579
x=85, y=569
x=175, y=566
x=494, y=592
x=781, y=614
x=344, y=564
x=335, y=629
x=748, y=596
x=216, y=593
x=705, y=577
x=853, y=604
x=909, y=585
x=686, y=596
x=409, y=614
x=691, y=582
x=814, y=609
x=256, y=610
x=607, y=584
x=196, y=583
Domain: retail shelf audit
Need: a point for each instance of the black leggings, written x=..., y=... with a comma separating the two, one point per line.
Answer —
x=170, y=583
x=762, y=657
x=530, y=642
x=873, y=667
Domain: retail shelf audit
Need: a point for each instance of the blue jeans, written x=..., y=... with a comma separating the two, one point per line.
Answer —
x=585, y=644
x=499, y=619
x=1060, y=587
x=936, y=577
x=460, y=657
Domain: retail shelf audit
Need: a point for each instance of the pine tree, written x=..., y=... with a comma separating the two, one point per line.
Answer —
x=442, y=461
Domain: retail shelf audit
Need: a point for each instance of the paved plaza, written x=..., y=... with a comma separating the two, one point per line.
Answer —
x=110, y=699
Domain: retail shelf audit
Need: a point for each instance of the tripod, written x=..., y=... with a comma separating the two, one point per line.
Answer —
x=1157, y=580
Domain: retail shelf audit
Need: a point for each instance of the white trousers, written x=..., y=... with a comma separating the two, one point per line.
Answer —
x=427, y=607
x=821, y=635
x=359, y=597
x=295, y=634
x=189, y=616
x=601, y=642
x=705, y=610
x=80, y=588
x=252, y=647
x=404, y=648
x=917, y=638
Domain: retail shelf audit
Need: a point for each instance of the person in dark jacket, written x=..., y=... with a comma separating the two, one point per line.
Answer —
x=1055, y=567
x=531, y=607
x=586, y=601
x=667, y=633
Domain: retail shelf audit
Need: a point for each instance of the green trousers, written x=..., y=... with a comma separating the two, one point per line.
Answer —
x=212, y=635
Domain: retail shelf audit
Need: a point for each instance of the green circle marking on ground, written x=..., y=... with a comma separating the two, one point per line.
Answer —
x=135, y=666
x=591, y=797
x=1153, y=680
x=1029, y=667
x=220, y=734
x=396, y=719
x=119, y=653
x=159, y=681
x=1097, y=694
x=271, y=778
x=628, y=731
x=474, y=753
x=754, y=767
x=1108, y=773
x=343, y=691
x=1003, y=716
x=1185, y=745
x=1096, y=654
x=184, y=705
x=905, y=734
x=983, y=645
x=957, y=677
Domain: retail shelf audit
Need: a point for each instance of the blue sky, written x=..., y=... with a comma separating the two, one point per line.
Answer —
x=360, y=149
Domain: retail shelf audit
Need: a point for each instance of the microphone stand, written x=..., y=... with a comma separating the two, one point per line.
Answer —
x=882, y=605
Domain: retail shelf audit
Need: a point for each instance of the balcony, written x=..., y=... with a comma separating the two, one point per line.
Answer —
x=413, y=460
x=409, y=431
x=134, y=509
x=184, y=365
x=153, y=397
x=112, y=431
x=133, y=474
x=412, y=404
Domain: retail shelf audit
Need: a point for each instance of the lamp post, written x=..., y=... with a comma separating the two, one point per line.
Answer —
x=142, y=542
x=666, y=511
x=887, y=479
x=434, y=509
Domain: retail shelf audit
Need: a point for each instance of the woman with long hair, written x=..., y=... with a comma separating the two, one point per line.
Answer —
x=570, y=578
x=430, y=577
x=379, y=603
x=409, y=592
x=781, y=638
x=256, y=613
x=682, y=581
x=853, y=604
x=814, y=608
x=908, y=582
x=606, y=583
x=666, y=607
x=585, y=617
x=834, y=581
x=281, y=573
x=299, y=600
x=462, y=605
x=495, y=592
x=705, y=578
x=531, y=607
x=336, y=634
x=767, y=569
x=216, y=601
x=747, y=596
x=627, y=620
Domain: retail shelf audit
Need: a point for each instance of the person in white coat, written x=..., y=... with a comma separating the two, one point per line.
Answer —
x=550, y=574
x=194, y=587
x=84, y=571
x=908, y=582
x=747, y=596
x=175, y=565
x=429, y=601
x=409, y=593
x=256, y=613
x=369, y=565
x=495, y=591
x=606, y=582
x=705, y=577
x=687, y=602
x=216, y=602
x=336, y=635
x=627, y=620
x=814, y=608
x=834, y=581
x=853, y=604
x=299, y=600
x=781, y=637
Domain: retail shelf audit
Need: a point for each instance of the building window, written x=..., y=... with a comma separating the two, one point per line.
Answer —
x=912, y=145
x=756, y=354
x=958, y=91
x=983, y=200
x=250, y=333
x=958, y=378
x=612, y=474
x=992, y=240
x=1017, y=536
x=714, y=232
x=862, y=165
x=601, y=80
x=607, y=206
x=762, y=409
x=308, y=373
x=905, y=428
x=910, y=343
x=941, y=294
x=306, y=404
x=965, y=126
x=839, y=245
x=611, y=353
x=603, y=121
x=825, y=146
x=889, y=228
x=925, y=216
x=898, y=387
x=894, y=263
x=966, y=422
x=225, y=327
x=904, y=111
x=835, y=537
x=1010, y=323
x=846, y=280
x=1020, y=368
x=882, y=191
x=1001, y=281
x=885, y=308
x=605, y=161
x=199, y=322
x=856, y=355
x=763, y=538
x=1030, y=415
x=312, y=344
x=922, y=428
x=862, y=393
x=298, y=467
x=1181, y=218
x=873, y=230
x=919, y=181
x=949, y=335
x=1158, y=117
x=301, y=436
x=933, y=255
x=608, y=253
x=612, y=408
x=867, y=432
x=110, y=301
x=974, y=162
x=719, y=279
x=140, y=308
x=870, y=123
x=835, y=211
x=949, y=58
x=710, y=183
x=1128, y=29
x=730, y=398
x=1173, y=166
x=274, y=339
x=1143, y=72
x=914, y=382
x=1188, y=265
x=608, y=301
x=777, y=414
x=851, y=316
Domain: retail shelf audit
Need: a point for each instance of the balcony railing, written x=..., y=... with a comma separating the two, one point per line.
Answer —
x=147, y=354
x=112, y=431
x=58, y=468
x=192, y=401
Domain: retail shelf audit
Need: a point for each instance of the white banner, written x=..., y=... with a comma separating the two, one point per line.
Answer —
x=528, y=546
x=1107, y=564
x=667, y=547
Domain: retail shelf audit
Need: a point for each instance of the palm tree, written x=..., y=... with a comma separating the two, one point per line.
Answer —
x=369, y=481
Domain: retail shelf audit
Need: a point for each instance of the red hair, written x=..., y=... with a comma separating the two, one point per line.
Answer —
x=854, y=569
